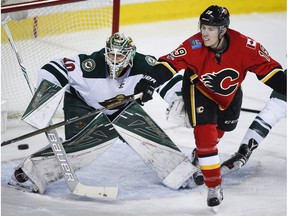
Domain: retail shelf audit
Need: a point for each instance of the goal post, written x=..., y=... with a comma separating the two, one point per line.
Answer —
x=43, y=30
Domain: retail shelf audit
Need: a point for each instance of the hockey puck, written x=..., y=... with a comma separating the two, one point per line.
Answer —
x=23, y=146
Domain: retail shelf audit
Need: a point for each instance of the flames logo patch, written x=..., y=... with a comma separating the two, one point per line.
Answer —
x=224, y=82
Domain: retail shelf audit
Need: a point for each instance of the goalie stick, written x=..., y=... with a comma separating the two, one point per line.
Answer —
x=56, y=144
x=23, y=69
x=112, y=103
x=71, y=179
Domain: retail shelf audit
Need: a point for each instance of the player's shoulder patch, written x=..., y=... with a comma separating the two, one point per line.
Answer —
x=150, y=60
x=264, y=53
x=94, y=65
x=251, y=43
x=88, y=65
x=264, y=50
x=195, y=43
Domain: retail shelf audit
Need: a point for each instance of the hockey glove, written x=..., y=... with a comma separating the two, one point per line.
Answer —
x=176, y=112
x=146, y=85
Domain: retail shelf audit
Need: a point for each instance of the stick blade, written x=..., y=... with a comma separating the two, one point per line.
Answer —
x=96, y=192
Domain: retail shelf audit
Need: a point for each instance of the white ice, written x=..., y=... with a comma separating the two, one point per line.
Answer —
x=258, y=189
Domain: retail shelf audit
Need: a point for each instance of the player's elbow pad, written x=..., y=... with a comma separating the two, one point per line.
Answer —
x=278, y=83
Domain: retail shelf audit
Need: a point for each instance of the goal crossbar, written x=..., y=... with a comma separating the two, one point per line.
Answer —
x=34, y=4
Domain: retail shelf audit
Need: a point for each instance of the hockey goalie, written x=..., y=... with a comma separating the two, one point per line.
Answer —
x=91, y=82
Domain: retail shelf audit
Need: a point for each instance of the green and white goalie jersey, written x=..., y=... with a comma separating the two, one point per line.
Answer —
x=88, y=76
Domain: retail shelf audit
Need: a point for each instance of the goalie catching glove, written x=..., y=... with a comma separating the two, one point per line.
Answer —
x=176, y=113
x=147, y=86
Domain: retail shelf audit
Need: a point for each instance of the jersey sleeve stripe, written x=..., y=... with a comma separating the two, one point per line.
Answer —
x=63, y=70
x=271, y=74
x=58, y=75
x=167, y=66
x=169, y=85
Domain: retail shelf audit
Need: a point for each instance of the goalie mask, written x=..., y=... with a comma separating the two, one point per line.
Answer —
x=119, y=53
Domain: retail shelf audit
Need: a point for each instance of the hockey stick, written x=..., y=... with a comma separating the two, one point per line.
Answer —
x=24, y=71
x=71, y=179
x=112, y=103
x=250, y=110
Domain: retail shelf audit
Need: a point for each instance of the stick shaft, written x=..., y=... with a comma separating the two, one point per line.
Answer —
x=72, y=120
x=23, y=69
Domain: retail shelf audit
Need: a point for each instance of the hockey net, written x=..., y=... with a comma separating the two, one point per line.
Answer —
x=42, y=32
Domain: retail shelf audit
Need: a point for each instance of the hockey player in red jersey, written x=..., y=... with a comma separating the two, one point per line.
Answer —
x=216, y=61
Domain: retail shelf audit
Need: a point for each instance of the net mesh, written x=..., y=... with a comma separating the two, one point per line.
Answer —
x=44, y=34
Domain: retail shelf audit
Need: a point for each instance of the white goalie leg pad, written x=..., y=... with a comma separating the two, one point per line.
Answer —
x=179, y=175
x=171, y=166
x=153, y=145
x=44, y=170
x=33, y=174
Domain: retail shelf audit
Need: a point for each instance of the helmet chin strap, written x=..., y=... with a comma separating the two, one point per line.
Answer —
x=220, y=38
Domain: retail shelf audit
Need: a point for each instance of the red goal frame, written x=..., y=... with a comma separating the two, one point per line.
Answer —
x=47, y=3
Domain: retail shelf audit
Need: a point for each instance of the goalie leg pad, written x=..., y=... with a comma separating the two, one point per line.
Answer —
x=42, y=167
x=153, y=145
x=179, y=175
x=33, y=174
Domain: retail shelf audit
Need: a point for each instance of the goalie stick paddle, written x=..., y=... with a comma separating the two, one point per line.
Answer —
x=110, y=104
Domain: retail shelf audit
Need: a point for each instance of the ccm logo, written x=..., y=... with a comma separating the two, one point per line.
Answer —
x=231, y=121
x=60, y=157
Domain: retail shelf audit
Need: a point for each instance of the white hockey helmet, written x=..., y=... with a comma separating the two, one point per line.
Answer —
x=119, y=53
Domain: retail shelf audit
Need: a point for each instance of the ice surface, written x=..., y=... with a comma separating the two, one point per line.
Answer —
x=258, y=189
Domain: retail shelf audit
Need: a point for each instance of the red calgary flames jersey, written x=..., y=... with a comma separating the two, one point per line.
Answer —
x=220, y=81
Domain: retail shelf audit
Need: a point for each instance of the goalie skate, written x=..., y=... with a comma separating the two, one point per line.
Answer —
x=19, y=176
x=20, y=181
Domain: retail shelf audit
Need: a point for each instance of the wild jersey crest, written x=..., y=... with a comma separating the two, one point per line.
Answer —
x=223, y=82
x=88, y=65
x=150, y=60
